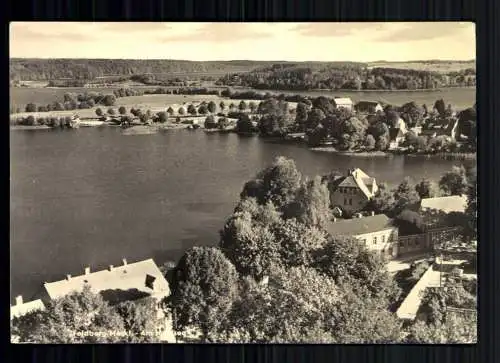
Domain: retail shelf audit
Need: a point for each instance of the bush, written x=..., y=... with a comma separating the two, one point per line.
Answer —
x=122, y=110
x=162, y=117
x=210, y=123
x=99, y=112
x=30, y=121
x=42, y=109
x=111, y=111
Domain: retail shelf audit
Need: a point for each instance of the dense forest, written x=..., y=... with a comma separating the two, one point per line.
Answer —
x=256, y=74
x=348, y=76
x=88, y=69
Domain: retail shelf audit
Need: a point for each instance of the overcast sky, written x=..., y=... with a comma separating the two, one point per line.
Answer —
x=253, y=41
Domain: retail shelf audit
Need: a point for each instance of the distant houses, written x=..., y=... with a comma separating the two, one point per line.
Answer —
x=449, y=130
x=343, y=102
x=369, y=107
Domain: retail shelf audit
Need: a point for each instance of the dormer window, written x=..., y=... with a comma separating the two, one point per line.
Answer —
x=150, y=281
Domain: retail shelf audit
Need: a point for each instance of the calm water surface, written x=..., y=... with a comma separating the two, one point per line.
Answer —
x=91, y=197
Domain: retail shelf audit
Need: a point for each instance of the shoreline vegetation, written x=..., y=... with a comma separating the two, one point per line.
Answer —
x=277, y=118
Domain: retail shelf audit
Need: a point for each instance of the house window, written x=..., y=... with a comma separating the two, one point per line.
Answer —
x=374, y=240
x=345, y=201
x=383, y=239
x=350, y=201
x=364, y=241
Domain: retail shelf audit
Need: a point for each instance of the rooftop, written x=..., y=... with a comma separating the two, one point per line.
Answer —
x=358, y=226
x=124, y=282
x=342, y=100
x=20, y=308
x=454, y=203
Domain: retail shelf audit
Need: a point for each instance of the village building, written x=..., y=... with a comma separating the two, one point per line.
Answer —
x=350, y=193
x=126, y=282
x=343, y=102
x=378, y=232
x=22, y=308
x=449, y=130
x=370, y=107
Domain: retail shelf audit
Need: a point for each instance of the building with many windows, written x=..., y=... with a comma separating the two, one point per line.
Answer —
x=376, y=232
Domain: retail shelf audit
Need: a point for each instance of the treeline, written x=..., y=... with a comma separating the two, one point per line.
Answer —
x=90, y=69
x=74, y=101
x=55, y=122
x=349, y=77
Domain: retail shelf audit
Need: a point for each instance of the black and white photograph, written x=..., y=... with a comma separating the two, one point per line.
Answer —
x=195, y=182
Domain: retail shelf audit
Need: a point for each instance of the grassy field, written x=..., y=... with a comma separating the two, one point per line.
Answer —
x=442, y=67
x=460, y=98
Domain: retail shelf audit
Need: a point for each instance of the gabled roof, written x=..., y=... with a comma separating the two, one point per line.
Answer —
x=454, y=203
x=348, y=182
x=358, y=178
x=358, y=226
x=23, y=309
x=129, y=278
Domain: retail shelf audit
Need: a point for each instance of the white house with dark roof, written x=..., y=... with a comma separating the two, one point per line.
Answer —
x=21, y=308
x=129, y=281
x=377, y=232
x=343, y=102
x=351, y=193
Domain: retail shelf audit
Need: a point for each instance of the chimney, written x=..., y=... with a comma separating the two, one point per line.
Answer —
x=87, y=270
x=111, y=267
x=19, y=300
x=68, y=277
x=124, y=261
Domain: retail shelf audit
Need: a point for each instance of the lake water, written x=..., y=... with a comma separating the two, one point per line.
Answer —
x=91, y=197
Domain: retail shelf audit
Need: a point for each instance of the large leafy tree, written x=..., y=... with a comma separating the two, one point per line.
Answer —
x=405, y=195
x=204, y=287
x=382, y=202
x=348, y=261
x=427, y=189
x=311, y=205
x=289, y=310
x=454, y=182
x=277, y=183
x=247, y=238
x=412, y=114
x=301, y=115
x=212, y=107
x=140, y=320
x=80, y=317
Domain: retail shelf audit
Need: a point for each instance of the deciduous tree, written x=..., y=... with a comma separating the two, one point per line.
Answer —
x=204, y=288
